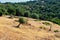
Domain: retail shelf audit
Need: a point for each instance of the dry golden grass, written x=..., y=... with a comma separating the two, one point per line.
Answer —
x=26, y=31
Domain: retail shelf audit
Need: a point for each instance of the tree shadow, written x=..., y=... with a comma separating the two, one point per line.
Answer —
x=16, y=26
x=16, y=20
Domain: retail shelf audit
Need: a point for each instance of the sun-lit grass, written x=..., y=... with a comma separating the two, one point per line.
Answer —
x=26, y=32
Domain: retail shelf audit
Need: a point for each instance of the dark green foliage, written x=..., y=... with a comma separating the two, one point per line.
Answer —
x=35, y=16
x=11, y=11
x=27, y=14
x=0, y=13
x=56, y=31
x=38, y=9
x=19, y=12
x=46, y=23
x=56, y=20
x=22, y=20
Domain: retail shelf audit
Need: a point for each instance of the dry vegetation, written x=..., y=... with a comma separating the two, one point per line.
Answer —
x=33, y=30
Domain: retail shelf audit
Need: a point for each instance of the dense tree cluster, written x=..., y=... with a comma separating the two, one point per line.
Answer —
x=41, y=9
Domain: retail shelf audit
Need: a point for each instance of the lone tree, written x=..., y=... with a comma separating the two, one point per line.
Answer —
x=21, y=21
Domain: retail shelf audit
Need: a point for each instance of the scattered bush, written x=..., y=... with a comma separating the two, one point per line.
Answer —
x=46, y=23
x=21, y=21
x=42, y=28
x=56, y=31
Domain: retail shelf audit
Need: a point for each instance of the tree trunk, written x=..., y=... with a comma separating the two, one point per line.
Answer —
x=50, y=28
x=18, y=25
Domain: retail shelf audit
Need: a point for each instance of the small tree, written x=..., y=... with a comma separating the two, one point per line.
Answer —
x=11, y=12
x=27, y=14
x=56, y=31
x=19, y=12
x=21, y=21
x=34, y=15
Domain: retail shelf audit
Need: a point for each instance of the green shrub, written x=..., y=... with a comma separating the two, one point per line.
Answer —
x=22, y=20
x=40, y=27
x=56, y=31
x=46, y=23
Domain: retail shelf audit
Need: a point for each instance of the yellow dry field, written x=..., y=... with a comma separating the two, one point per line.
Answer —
x=30, y=31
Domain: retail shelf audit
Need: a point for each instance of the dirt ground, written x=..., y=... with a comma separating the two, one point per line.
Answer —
x=30, y=31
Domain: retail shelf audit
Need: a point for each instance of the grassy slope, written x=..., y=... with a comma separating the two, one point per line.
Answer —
x=27, y=32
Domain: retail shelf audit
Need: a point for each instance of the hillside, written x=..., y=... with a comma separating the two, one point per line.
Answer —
x=48, y=10
x=30, y=31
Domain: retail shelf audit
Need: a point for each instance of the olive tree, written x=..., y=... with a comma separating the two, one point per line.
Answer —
x=21, y=21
